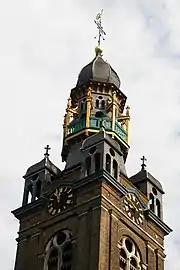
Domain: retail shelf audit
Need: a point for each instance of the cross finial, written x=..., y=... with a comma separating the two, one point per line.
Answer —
x=47, y=148
x=143, y=165
x=101, y=32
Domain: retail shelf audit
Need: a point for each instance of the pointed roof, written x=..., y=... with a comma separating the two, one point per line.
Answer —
x=45, y=163
x=145, y=175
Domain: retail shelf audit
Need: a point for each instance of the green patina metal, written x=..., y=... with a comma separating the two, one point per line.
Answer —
x=95, y=123
x=77, y=126
x=120, y=132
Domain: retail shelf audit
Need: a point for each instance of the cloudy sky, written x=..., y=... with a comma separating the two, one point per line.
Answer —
x=43, y=46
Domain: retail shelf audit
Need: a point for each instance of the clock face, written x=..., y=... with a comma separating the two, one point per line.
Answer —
x=133, y=208
x=60, y=200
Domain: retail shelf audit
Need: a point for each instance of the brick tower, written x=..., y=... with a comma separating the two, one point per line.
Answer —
x=92, y=215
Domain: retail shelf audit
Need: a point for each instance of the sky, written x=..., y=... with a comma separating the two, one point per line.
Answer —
x=43, y=46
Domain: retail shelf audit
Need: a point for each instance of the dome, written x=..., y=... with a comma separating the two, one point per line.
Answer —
x=100, y=71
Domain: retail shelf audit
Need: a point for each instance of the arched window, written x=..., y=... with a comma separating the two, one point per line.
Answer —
x=67, y=256
x=29, y=193
x=27, y=197
x=115, y=169
x=88, y=166
x=122, y=259
x=37, y=189
x=151, y=202
x=108, y=163
x=53, y=259
x=83, y=106
x=103, y=104
x=97, y=103
x=158, y=208
x=97, y=158
x=59, y=252
x=129, y=255
x=133, y=263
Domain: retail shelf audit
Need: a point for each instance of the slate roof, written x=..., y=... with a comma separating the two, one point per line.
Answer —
x=98, y=70
x=143, y=175
x=43, y=164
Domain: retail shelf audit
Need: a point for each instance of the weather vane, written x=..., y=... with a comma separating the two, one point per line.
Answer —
x=101, y=33
x=143, y=165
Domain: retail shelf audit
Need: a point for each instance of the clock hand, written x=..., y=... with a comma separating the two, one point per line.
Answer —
x=57, y=194
x=131, y=203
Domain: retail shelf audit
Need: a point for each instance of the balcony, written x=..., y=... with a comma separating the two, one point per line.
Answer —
x=95, y=123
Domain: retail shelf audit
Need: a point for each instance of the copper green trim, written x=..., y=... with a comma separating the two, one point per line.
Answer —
x=95, y=124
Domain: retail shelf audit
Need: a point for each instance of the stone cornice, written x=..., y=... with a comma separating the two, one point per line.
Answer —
x=150, y=215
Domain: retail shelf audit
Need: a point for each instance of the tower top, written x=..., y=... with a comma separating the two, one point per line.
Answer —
x=101, y=32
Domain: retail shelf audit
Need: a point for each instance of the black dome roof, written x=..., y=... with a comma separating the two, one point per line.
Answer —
x=98, y=70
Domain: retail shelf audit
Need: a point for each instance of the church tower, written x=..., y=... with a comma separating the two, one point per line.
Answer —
x=91, y=215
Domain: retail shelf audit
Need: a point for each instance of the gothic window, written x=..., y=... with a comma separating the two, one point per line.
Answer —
x=122, y=259
x=133, y=263
x=103, y=104
x=53, y=259
x=27, y=197
x=67, y=256
x=88, y=166
x=37, y=189
x=158, y=208
x=97, y=158
x=129, y=256
x=108, y=163
x=59, y=252
x=83, y=106
x=97, y=103
x=151, y=202
x=115, y=169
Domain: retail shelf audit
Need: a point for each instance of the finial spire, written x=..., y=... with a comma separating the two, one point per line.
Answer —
x=101, y=32
x=47, y=148
x=143, y=165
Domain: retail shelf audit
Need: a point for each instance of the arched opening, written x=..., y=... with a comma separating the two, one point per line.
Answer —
x=29, y=194
x=130, y=257
x=67, y=256
x=38, y=189
x=115, y=169
x=158, y=208
x=151, y=202
x=133, y=263
x=97, y=158
x=53, y=259
x=97, y=103
x=83, y=106
x=129, y=245
x=88, y=166
x=122, y=259
x=59, y=251
x=103, y=104
x=108, y=163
